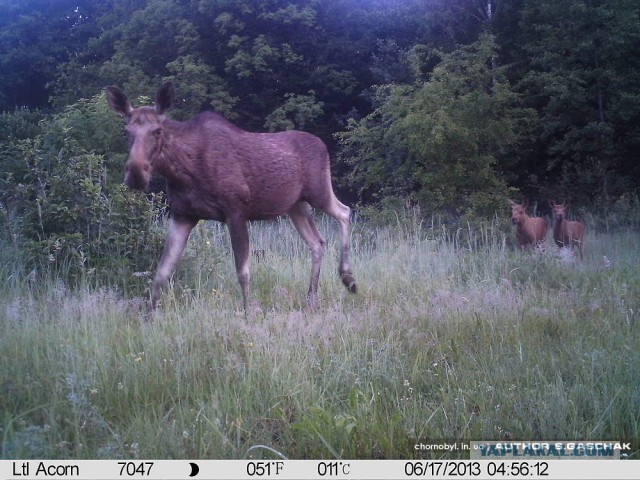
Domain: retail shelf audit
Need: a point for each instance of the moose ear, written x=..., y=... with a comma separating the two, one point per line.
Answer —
x=118, y=101
x=165, y=97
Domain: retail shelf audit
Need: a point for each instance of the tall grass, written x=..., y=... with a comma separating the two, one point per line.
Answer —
x=451, y=337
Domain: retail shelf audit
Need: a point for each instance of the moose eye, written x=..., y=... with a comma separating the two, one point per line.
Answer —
x=156, y=132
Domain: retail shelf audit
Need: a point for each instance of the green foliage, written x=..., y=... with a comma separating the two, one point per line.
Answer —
x=438, y=141
x=35, y=37
x=448, y=104
x=256, y=57
x=199, y=87
x=442, y=108
x=582, y=78
x=65, y=202
x=141, y=40
x=365, y=427
x=297, y=112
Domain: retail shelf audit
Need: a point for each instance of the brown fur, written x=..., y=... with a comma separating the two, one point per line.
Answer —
x=530, y=231
x=217, y=171
x=567, y=233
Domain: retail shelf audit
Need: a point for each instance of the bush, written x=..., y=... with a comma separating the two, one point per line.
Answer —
x=64, y=202
x=438, y=141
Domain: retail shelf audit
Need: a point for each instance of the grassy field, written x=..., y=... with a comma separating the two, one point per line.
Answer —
x=450, y=338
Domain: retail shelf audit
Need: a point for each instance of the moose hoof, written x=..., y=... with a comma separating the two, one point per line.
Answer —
x=349, y=282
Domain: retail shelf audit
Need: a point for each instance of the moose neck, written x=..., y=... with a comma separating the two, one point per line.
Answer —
x=522, y=226
x=559, y=226
x=523, y=231
x=174, y=160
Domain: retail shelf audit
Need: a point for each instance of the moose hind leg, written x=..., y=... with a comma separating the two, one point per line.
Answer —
x=342, y=214
x=580, y=246
x=302, y=218
x=177, y=236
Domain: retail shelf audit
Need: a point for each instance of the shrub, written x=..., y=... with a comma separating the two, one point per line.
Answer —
x=64, y=202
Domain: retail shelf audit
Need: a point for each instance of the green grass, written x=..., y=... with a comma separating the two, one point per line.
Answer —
x=446, y=340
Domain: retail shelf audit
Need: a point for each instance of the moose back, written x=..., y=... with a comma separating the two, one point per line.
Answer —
x=217, y=171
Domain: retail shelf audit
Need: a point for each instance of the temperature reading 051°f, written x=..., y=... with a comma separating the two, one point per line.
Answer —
x=264, y=469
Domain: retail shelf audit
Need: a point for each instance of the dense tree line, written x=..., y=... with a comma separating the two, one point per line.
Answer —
x=451, y=105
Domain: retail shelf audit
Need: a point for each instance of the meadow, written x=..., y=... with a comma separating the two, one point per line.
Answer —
x=451, y=337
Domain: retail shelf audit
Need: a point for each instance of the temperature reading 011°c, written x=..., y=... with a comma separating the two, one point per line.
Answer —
x=328, y=469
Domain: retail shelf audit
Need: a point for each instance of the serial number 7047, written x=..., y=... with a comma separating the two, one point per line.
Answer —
x=135, y=469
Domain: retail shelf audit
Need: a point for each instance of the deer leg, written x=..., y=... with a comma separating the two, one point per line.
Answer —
x=178, y=234
x=239, y=232
x=342, y=214
x=302, y=218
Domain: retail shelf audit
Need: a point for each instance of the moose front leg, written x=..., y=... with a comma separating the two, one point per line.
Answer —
x=178, y=234
x=239, y=233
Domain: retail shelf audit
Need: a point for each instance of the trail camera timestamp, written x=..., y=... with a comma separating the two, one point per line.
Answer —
x=446, y=469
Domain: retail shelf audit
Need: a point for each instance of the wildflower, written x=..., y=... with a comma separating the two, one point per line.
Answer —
x=135, y=449
x=408, y=387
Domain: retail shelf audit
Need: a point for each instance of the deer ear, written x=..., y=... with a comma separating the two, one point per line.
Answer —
x=511, y=202
x=118, y=101
x=165, y=98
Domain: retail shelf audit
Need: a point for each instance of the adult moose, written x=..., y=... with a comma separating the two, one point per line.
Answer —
x=530, y=231
x=567, y=233
x=217, y=171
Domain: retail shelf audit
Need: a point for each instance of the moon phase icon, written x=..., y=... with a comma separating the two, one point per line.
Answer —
x=194, y=469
